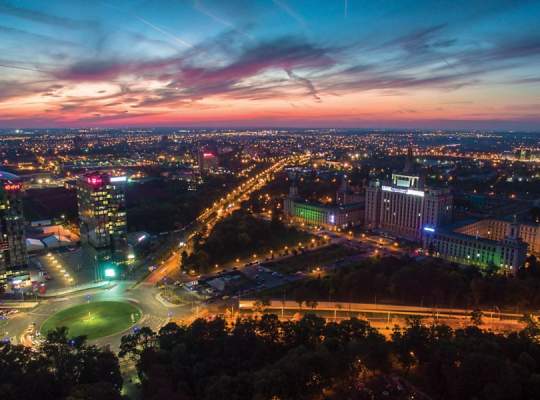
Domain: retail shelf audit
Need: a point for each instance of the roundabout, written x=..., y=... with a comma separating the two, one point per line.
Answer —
x=95, y=319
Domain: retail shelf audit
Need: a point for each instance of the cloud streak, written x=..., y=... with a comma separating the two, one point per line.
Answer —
x=44, y=18
x=157, y=72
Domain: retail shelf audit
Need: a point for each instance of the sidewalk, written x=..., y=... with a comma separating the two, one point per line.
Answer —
x=77, y=289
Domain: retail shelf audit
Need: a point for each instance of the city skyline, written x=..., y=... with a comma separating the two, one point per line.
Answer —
x=278, y=63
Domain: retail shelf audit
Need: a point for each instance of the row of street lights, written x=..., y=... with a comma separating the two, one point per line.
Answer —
x=60, y=268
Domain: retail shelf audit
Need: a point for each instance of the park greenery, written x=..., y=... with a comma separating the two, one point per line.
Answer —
x=308, y=261
x=241, y=235
x=61, y=368
x=95, y=319
x=266, y=358
x=430, y=283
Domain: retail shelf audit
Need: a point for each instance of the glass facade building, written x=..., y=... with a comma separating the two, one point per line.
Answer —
x=102, y=213
x=13, y=253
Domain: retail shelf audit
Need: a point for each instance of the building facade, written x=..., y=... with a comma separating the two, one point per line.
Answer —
x=403, y=206
x=457, y=244
x=12, y=236
x=102, y=213
x=13, y=253
x=207, y=159
x=499, y=229
x=339, y=216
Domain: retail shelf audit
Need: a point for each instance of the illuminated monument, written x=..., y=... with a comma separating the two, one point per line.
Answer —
x=404, y=206
x=102, y=217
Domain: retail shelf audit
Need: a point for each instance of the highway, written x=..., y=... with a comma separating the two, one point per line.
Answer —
x=206, y=221
x=386, y=316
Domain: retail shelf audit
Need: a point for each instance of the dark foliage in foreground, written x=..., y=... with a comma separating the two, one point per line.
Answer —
x=260, y=359
x=311, y=359
x=59, y=369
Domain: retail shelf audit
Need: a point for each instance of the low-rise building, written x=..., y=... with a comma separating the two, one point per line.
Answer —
x=499, y=229
x=346, y=213
x=459, y=243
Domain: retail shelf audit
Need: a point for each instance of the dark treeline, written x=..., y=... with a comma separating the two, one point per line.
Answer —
x=311, y=359
x=241, y=235
x=59, y=369
x=159, y=205
x=427, y=283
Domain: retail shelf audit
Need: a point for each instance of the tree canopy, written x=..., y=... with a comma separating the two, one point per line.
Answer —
x=312, y=359
x=60, y=368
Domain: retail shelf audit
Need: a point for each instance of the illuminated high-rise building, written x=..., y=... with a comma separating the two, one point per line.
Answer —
x=13, y=254
x=102, y=213
x=404, y=206
x=207, y=159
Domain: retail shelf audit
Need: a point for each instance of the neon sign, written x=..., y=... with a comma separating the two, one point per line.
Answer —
x=94, y=180
x=411, y=192
x=208, y=155
x=11, y=187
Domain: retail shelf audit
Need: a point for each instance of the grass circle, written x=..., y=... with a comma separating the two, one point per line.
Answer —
x=94, y=320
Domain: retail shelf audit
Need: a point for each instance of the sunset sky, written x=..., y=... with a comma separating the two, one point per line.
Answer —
x=281, y=63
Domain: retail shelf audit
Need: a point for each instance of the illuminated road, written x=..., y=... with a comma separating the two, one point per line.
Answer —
x=225, y=206
x=385, y=316
x=21, y=326
x=169, y=267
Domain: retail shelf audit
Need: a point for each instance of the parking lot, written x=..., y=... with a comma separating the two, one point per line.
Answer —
x=63, y=269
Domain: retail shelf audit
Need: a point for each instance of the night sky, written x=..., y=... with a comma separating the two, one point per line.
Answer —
x=281, y=63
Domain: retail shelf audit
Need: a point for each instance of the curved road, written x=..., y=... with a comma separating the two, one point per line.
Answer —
x=155, y=313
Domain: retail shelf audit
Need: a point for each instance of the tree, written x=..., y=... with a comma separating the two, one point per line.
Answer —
x=311, y=304
x=184, y=258
x=258, y=306
x=532, y=328
x=135, y=344
x=476, y=317
x=60, y=368
x=96, y=391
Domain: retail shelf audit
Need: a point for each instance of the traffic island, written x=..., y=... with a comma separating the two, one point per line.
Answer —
x=95, y=319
